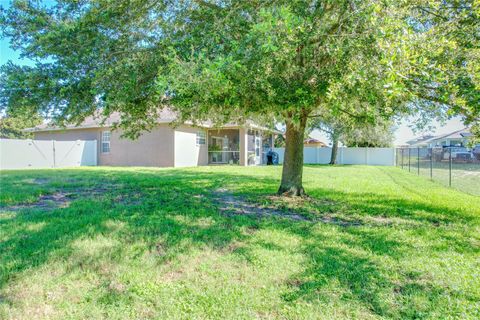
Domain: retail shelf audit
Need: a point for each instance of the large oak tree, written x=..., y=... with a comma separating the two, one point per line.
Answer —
x=285, y=61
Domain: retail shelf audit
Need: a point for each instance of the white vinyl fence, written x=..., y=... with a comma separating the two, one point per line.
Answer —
x=368, y=156
x=25, y=154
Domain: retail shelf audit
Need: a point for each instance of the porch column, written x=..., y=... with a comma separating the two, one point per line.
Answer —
x=243, y=146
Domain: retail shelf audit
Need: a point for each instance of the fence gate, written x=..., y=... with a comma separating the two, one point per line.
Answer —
x=27, y=153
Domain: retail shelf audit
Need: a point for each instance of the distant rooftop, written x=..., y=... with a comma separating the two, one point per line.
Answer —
x=420, y=139
x=425, y=140
x=314, y=141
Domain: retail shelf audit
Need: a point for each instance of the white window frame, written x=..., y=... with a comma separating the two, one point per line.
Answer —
x=106, y=136
x=201, y=138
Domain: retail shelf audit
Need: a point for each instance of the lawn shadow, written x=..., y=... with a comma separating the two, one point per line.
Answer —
x=178, y=213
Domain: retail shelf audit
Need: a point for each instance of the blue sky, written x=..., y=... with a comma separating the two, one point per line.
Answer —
x=402, y=134
x=6, y=54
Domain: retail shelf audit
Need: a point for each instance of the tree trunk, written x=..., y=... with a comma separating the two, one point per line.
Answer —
x=291, y=184
x=333, y=157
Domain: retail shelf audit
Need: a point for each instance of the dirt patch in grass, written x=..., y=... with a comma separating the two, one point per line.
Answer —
x=116, y=287
x=62, y=198
x=334, y=212
x=48, y=201
x=160, y=249
x=235, y=205
x=321, y=210
x=41, y=181
x=37, y=181
x=301, y=201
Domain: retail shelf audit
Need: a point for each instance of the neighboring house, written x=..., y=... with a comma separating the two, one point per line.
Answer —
x=312, y=142
x=168, y=146
x=420, y=141
x=458, y=138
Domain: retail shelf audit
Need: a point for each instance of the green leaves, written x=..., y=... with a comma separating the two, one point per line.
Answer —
x=233, y=60
x=12, y=126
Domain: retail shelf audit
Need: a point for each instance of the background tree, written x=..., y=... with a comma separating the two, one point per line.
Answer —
x=378, y=135
x=279, y=141
x=334, y=128
x=13, y=126
x=272, y=61
x=354, y=131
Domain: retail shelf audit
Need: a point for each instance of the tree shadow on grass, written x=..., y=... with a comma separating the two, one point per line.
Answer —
x=360, y=280
x=351, y=269
x=178, y=213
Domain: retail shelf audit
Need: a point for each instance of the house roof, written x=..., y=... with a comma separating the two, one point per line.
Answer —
x=311, y=140
x=458, y=134
x=420, y=139
x=166, y=115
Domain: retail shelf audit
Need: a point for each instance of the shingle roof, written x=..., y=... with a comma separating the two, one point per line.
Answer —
x=311, y=140
x=458, y=134
x=421, y=139
x=166, y=115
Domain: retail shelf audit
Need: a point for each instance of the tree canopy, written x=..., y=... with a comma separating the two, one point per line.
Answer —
x=379, y=135
x=231, y=60
x=13, y=126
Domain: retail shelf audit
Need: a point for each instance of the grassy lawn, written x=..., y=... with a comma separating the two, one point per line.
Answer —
x=465, y=176
x=213, y=243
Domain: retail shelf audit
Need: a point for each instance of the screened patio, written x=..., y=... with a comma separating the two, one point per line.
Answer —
x=238, y=146
x=224, y=146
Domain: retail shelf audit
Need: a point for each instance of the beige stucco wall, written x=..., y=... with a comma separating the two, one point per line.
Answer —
x=154, y=149
x=151, y=149
x=187, y=153
x=162, y=147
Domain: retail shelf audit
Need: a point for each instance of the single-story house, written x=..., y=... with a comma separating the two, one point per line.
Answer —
x=420, y=141
x=167, y=145
x=312, y=142
x=458, y=138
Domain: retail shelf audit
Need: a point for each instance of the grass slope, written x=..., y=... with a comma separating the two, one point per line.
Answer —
x=152, y=243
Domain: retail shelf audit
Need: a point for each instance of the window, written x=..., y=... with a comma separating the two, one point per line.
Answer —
x=201, y=138
x=105, y=141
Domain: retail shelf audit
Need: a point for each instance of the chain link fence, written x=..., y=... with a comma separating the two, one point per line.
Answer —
x=457, y=167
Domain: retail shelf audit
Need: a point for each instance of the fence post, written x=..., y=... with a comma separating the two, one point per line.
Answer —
x=409, y=159
x=53, y=148
x=366, y=156
x=402, y=156
x=431, y=163
x=418, y=161
x=450, y=167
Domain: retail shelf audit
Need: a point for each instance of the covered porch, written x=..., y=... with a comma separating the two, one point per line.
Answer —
x=239, y=146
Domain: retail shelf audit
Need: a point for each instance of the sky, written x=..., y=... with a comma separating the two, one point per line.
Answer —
x=402, y=134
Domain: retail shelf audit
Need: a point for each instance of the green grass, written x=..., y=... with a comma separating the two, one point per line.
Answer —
x=142, y=243
x=465, y=176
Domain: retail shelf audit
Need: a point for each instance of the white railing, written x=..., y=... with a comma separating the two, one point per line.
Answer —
x=224, y=157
